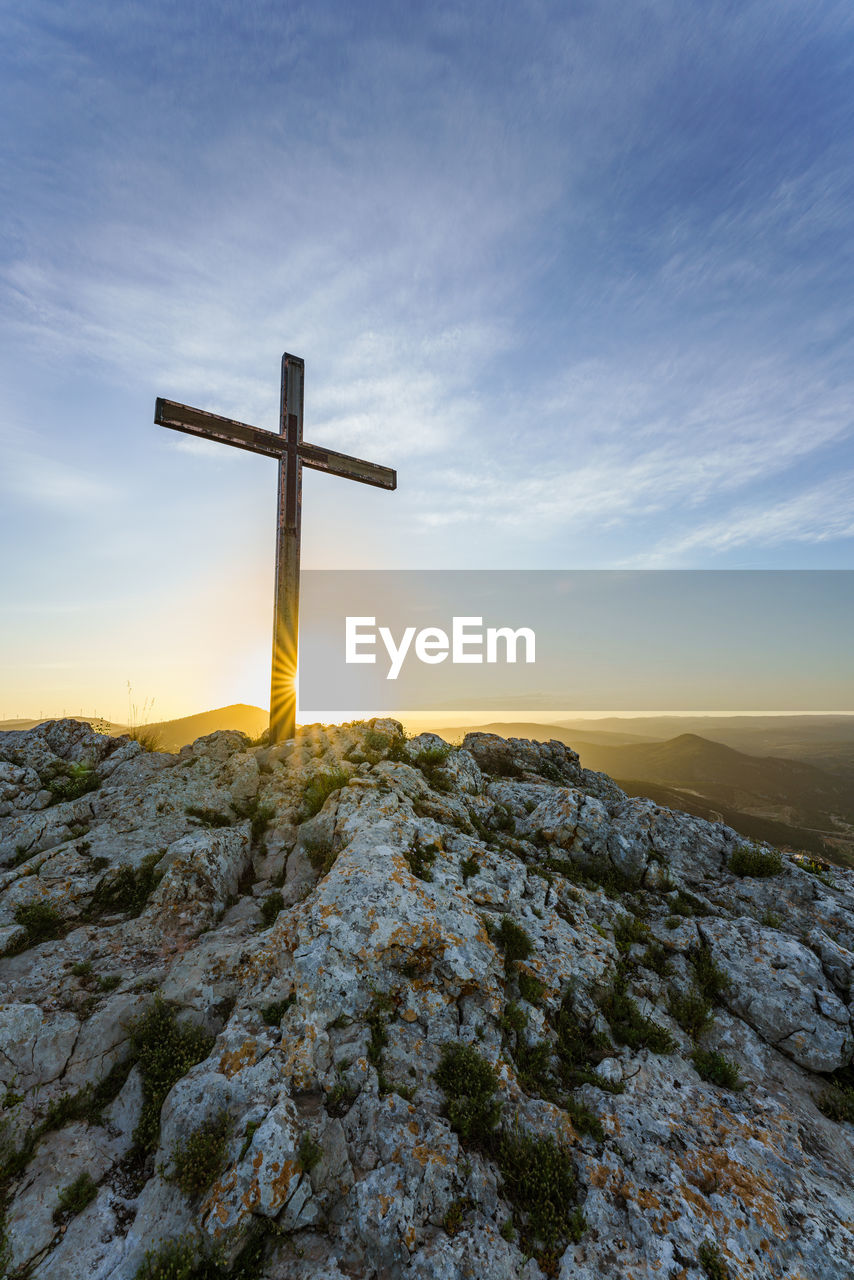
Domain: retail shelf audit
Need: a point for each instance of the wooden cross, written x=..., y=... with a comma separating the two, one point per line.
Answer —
x=292, y=453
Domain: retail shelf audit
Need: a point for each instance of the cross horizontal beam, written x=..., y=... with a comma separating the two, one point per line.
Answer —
x=341, y=464
x=210, y=426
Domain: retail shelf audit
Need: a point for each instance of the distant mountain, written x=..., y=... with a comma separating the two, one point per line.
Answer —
x=171, y=735
x=765, y=785
x=823, y=740
x=543, y=733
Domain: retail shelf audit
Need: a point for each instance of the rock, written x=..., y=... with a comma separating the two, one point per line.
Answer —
x=35, y=1047
x=778, y=986
x=60, y=1158
x=610, y=1070
x=575, y=823
x=328, y=1017
x=516, y=757
x=202, y=872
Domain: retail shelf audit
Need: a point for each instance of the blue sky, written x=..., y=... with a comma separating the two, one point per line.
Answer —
x=582, y=272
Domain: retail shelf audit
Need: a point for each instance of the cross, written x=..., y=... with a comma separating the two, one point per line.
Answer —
x=292, y=454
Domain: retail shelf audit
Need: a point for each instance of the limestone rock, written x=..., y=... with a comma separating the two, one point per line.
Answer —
x=779, y=987
x=495, y=896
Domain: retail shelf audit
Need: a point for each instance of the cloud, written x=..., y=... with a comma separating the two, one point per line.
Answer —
x=32, y=474
x=669, y=441
x=560, y=280
x=820, y=514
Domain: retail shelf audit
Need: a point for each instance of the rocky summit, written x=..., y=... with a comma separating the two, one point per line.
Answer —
x=363, y=1006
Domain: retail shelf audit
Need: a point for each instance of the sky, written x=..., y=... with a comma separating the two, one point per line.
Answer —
x=581, y=272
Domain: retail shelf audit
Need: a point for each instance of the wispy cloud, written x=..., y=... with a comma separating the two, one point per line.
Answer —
x=30, y=474
x=818, y=515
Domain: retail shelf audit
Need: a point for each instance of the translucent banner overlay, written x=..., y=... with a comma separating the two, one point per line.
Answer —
x=728, y=641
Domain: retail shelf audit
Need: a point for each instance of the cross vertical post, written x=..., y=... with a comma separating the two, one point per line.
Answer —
x=292, y=454
x=289, y=521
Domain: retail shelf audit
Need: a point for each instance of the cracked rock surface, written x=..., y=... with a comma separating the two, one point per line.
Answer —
x=229, y=977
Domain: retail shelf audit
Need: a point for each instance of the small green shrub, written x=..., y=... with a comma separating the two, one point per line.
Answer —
x=579, y=1048
x=657, y=958
x=273, y=1013
x=42, y=922
x=712, y=981
x=252, y=1126
x=126, y=889
x=82, y=968
x=187, y=1258
x=148, y=736
x=340, y=1098
x=709, y=1258
x=685, y=904
x=533, y=1065
x=88, y=1103
x=530, y=987
x=502, y=819
x=198, y=1160
x=553, y=772
x=70, y=781
x=260, y=815
x=420, y=859
x=178, y=1260
x=109, y=982
x=514, y=942
x=270, y=908
x=398, y=751
x=469, y=867
x=431, y=761
x=771, y=919
x=628, y=1025
x=717, y=1069
x=376, y=745
x=320, y=851
x=310, y=1152
x=208, y=817
x=508, y=1231
x=539, y=1181
x=469, y=1084
x=627, y=931
x=615, y=883
x=837, y=1101
x=584, y=1119
x=164, y=1053
x=453, y=1219
x=75, y=1197
x=752, y=860
x=691, y=1010
x=320, y=788
x=514, y=1018
x=380, y=1006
